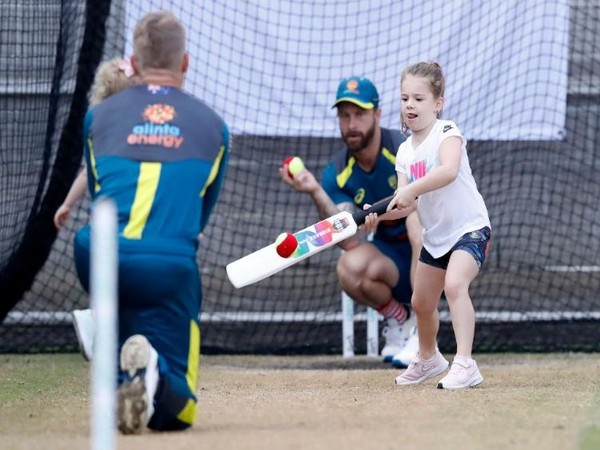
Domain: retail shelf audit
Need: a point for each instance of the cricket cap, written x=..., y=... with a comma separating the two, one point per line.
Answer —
x=357, y=90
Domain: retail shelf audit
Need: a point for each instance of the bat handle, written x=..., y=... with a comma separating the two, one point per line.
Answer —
x=379, y=208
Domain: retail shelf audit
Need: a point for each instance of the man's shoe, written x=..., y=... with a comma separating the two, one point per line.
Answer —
x=83, y=322
x=403, y=358
x=397, y=335
x=464, y=373
x=420, y=370
x=394, y=342
x=139, y=361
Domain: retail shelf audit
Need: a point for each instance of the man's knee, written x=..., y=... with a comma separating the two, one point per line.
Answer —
x=349, y=281
x=350, y=267
x=169, y=422
x=174, y=412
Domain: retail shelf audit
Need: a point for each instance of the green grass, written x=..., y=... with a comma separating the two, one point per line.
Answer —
x=25, y=377
x=591, y=434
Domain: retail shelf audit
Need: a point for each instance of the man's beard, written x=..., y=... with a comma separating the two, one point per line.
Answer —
x=363, y=143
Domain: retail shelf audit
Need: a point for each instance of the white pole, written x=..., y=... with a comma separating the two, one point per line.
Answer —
x=347, y=326
x=372, y=332
x=103, y=293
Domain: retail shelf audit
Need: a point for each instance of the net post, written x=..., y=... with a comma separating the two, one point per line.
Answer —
x=347, y=326
x=372, y=325
x=372, y=332
x=103, y=294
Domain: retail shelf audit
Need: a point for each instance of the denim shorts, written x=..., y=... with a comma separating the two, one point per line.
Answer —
x=476, y=243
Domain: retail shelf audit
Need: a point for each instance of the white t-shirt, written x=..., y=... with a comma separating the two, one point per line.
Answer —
x=449, y=212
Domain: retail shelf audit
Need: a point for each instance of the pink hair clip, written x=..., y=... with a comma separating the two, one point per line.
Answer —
x=126, y=67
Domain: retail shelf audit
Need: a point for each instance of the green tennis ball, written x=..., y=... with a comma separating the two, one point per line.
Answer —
x=295, y=166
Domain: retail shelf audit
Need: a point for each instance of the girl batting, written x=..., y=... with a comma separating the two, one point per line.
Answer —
x=434, y=176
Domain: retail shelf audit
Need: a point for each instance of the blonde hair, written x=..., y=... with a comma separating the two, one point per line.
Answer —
x=159, y=42
x=111, y=77
x=432, y=72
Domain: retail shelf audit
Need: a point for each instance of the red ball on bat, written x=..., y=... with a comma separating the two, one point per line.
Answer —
x=286, y=244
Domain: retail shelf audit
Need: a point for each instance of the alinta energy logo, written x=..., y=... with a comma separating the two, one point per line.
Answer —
x=156, y=130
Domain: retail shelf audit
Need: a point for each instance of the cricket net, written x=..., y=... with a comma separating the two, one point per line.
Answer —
x=523, y=86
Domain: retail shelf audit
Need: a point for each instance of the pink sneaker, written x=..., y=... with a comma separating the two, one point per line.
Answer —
x=420, y=370
x=463, y=373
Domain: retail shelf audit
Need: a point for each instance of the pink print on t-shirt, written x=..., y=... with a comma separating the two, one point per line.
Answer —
x=418, y=170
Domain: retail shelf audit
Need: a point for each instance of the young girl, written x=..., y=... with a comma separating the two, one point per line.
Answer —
x=435, y=177
x=111, y=77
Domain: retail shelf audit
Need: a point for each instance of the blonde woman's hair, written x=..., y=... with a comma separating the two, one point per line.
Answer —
x=159, y=42
x=111, y=77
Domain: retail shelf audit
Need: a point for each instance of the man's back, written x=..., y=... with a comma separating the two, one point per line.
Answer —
x=157, y=152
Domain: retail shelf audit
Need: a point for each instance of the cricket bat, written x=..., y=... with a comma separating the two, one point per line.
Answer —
x=311, y=240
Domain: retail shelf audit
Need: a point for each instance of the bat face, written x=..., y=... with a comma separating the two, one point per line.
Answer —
x=312, y=239
x=321, y=234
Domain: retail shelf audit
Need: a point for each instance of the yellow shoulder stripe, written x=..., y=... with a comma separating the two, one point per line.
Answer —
x=93, y=163
x=213, y=171
x=345, y=174
x=147, y=184
x=388, y=155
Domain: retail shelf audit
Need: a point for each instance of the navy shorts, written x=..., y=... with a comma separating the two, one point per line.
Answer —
x=476, y=243
x=400, y=252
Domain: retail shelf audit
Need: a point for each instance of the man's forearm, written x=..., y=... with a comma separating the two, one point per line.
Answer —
x=325, y=205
